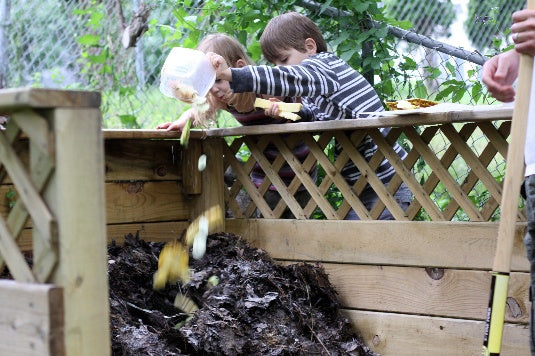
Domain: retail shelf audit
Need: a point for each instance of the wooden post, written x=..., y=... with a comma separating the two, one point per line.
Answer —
x=212, y=183
x=78, y=204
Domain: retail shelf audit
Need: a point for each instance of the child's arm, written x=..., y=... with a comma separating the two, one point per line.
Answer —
x=179, y=124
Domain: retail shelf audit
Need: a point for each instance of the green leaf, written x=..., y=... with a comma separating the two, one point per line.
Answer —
x=129, y=121
x=89, y=40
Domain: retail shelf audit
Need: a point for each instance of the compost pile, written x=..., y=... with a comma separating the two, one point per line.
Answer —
x=248, y=305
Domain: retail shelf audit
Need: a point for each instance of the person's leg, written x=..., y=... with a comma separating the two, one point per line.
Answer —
x=529, y=241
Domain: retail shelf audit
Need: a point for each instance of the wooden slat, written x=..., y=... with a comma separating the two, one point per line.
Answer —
x=244, y=179
x=36, y=128
x=47, y=98
x=333, y=174
x=473, y=162
x=212, y=194
x=412, y=335
x=452, y=116
x=406, y=175
x=41, y=215
x=498, y=138
x=145, y=202
x=11, y=254
x=308, y=164
x=487, y=155
x=436, y=292
x=403, y=243
x=31, y=319
x=258, y=155
x=305, y=179
x=442, y=173
x=136, y=159
x=154, y=232
x=191, y=177
x=373, y=180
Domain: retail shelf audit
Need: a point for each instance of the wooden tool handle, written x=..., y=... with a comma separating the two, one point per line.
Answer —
x=515, y=164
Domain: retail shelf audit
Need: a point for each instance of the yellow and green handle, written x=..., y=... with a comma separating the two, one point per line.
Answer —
x=492, y=341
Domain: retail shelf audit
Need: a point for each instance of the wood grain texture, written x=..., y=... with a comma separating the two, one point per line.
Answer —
x=413, y=335
x=31, y=319
x=424, y=244
x=425, y=291
x=141, y=201
x=47, y=98
x=135, y=159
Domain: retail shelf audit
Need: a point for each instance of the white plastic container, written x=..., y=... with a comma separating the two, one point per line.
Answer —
x=187, y=67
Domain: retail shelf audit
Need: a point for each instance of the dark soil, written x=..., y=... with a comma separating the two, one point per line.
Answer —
x=257, y=308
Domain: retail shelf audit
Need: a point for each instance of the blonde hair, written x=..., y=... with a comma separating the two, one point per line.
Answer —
x=232, y=51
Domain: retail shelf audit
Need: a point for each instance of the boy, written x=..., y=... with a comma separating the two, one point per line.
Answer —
x=327, y=85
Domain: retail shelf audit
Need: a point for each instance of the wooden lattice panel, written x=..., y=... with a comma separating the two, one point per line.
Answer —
x=454, y=172
x=29, y=180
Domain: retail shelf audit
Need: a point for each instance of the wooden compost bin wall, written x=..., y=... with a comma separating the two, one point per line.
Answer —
x=52, y=189
x=408, y=287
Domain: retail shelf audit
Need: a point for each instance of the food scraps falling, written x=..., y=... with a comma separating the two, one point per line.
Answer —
x=173, y=262
x=410, y=104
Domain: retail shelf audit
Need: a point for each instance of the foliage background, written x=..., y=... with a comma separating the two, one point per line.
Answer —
x=77, y=44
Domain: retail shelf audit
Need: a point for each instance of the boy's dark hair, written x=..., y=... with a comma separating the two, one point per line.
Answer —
x=289, y=30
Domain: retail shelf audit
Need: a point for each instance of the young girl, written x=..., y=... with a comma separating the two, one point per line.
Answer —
x=241, y=106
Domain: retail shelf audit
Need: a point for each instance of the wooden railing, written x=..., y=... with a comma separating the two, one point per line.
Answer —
x=437, y=144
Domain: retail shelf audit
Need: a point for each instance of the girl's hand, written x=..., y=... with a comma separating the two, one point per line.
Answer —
x=179, y=124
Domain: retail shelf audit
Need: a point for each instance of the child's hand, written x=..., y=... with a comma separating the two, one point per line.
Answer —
x=273, y=110
x=221, y=67
x=179, y=124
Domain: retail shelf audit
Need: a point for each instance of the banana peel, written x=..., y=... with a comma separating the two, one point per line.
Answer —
x=173, y=265
x=286, y=110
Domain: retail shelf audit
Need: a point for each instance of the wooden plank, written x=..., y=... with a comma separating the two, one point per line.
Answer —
x=47, y=98
x=340, y=125
x=148, y=231
x=411, y=243
x=154, y=232
x=31, y=319
x=77, y=197
x=135, y=159
x=212, y=194
x=425, y=291
x=140, y=201
x=191, y=177
x=413, y=335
